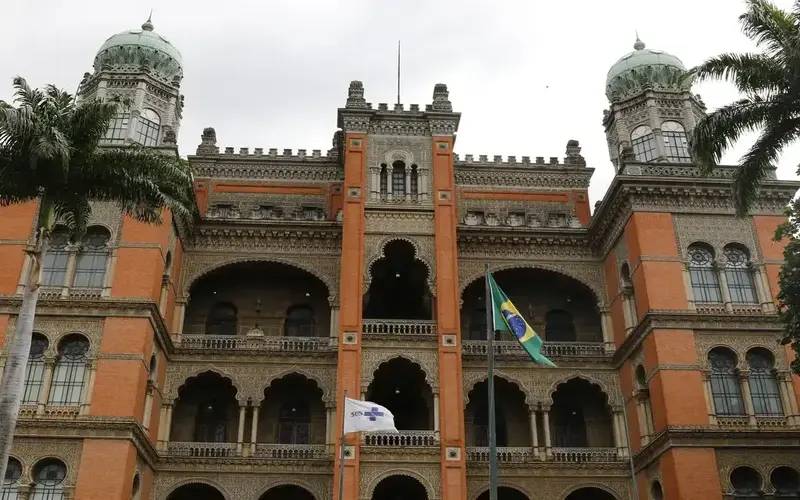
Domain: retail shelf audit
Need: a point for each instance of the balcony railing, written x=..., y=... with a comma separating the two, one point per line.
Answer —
x=409, y=327
x=506, y=455
x=202, y=450
x=551, y=349
x=291, y=451
x=237, y=342
x=584, y=455
x=405, y=439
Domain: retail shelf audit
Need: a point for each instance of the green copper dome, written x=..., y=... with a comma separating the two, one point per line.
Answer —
x=137, y=50
x=645, y=69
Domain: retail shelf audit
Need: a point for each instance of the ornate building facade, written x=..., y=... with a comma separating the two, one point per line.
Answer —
x=175, y=363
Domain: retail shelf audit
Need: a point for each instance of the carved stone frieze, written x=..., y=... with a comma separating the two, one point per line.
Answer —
x=538, y=384
x=109, y=215
x=251, y=380
x=740, y=343
x=715, y=230
x=522, y=244
x=30, y=450
x=426, y=357
x=427, y=474
x=763, y=462
x=309, y=170
x=395, y=222
x=588, y=273
x=539, y=178
x=551, y=484
x=55, y=328
x=316, y=479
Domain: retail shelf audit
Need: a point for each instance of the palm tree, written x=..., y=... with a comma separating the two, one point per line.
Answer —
x=49, y=153
x=770, y=84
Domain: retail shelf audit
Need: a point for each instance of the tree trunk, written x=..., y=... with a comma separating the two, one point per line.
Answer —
x=12, y=383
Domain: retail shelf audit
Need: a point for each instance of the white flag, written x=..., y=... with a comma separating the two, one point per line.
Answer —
x=366, y=416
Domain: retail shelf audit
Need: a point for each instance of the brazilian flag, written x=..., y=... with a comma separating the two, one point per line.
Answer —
x=506, y=318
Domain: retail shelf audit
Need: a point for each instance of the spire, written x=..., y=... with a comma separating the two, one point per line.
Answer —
x=148, y=25
x=639, y=45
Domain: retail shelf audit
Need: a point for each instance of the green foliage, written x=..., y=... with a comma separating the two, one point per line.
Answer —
x=789, y=280
x=49, y=151
x=770, y=82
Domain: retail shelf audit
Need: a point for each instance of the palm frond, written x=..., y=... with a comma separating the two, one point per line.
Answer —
x=751, y=73
x=770, y=27
x=718, y=130
x=760, y=158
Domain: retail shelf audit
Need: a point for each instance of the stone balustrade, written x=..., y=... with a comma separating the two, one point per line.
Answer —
x=584, y=455
x=202, y=450
x=398, y=327
x=405, y=439
x=261, y=343
x=506, y=455
x=291, y=451
x=550, y=349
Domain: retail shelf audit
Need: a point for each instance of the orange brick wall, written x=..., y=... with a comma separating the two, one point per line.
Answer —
x=106, y=470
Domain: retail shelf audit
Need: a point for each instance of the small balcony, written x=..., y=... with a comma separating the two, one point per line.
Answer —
x=291, y=451
x=255, y=343
x=512, y=349
x=194, y=449
x=402, y=439
x=399, y=327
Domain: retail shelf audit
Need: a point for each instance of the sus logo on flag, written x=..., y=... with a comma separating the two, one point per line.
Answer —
x=366, y=416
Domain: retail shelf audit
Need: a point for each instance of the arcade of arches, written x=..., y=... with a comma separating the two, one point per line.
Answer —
x=276, y=299
x=559, y=308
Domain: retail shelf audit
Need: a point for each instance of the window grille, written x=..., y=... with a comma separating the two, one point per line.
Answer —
x=69, y=373
x=725, y=389
x=222, y=320
x=48, y=479
x=9, y=490
x=90, y=268
x=294, y=423
x=746, y=482
x=676, y=144
x=299, y=322
x=703, y=276
x=384, y=181
x=54, y=264
x=763, y=383
x=147, y=128
x=118, y=128
x=741, y=286
x=414, y=188
x=644, y=144
x=398, y=178
x=34, y=373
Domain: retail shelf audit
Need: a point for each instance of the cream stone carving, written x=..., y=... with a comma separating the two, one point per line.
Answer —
x=373, y=357
x=56, y=328
x=30, y=450
x=375, y=246
x=373, y=474
x=716, y=230
x=740, y=343
x=396, y=222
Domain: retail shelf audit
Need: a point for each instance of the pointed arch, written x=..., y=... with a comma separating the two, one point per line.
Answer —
x=418, y=255
x=421, y=479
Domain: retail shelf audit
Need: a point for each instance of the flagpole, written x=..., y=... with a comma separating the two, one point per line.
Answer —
x=341, y=447
x=490, y=383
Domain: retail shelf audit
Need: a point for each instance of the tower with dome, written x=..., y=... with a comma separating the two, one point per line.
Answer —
x=211, y=363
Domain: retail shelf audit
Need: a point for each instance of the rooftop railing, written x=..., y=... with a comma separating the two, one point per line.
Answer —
x=239, y=342
x=398, y=327
x=405, y=439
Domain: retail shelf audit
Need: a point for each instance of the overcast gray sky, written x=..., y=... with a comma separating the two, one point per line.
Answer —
x=526, y=75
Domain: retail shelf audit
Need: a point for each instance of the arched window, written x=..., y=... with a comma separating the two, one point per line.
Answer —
x=644, y=143
x=559, y=326
x=147, y=128
x=90, y=268
x=763, y=382
x=741, y=286
x=34, y=373
x=746, y=482
x=725, y=389
x=628, y=296
x=152, y=372
x=299, y=322
x=222, y=319
x=135, y=486
x=645, y=409
x=294, y=423
x=656, y=492
x=384, y=181
x=703, y=276
x=786, y=482
x=117, y=128
x=414, y=188
x=9, y=488
x=54, y=264
x=676, y=145
x=69, y=373
x=398, y=178
x=48, y=480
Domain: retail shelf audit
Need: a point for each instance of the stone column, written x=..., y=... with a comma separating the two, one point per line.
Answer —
x=408, y=183
x=760, y=277
x=165, y=430
x=422, y=184
x=108, y=277
x=72, y=257
x=615, y=425
x=334, y=326
x=712, y=416
x=534, y=432
x=622, y=438
x=328, y=425
x=389, y=170
x=744, y=381
x=148, y=405
x=788, y=388
x=178, y=317
x=254, y=429
x=240, y=433
x=548, y=446
x=687, y=283
x=608, y=330
x=641, y=413
x=723, y=284
x=23, y=492
x=47, y=380
x=88, y=388
x=374, y=183
x=436, y=412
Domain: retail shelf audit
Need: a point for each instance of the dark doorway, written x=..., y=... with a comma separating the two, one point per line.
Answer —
x=287, y=492
x=400, y=386
x=400, y=488
x=196, y=491
x=399, y=288
x=505, y=493
x=590, y=494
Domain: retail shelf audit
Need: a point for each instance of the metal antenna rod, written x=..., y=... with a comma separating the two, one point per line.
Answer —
x=398, y=72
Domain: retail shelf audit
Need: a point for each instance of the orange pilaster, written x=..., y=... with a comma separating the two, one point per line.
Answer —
x=451, y=399
x=350, y=291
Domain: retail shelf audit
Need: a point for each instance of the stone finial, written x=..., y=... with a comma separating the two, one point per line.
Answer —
x=355, y=96
x=148, y=25
x=573, y=154
x=639, y=44
x=441, y=98
x=208, y=142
